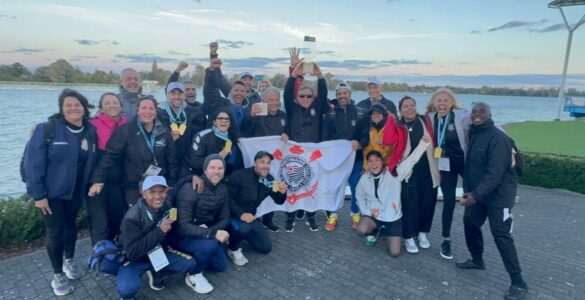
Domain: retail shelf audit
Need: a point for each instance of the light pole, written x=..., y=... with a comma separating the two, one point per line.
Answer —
x=560, y=4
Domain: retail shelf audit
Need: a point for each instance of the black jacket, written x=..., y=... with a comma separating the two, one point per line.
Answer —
x=263, y=125
x=212, y=98
x=488, y=172
x=204, y=143
x=305, y=125
x=366, y=104
x=246, y=192
x=210, y=207
x=127, y=143
x=340, y=123
x=195, y=123
x=139, y=233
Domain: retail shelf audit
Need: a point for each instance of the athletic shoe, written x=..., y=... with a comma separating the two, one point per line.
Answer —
x=71, y=269
x=270, y=226
x=331, y=222
x=355, y=220
x=470, y=264
x=198, y=283
x=312, y=224
x=423, y=242
x=446, y=249
x=290, y=224
x=155, y=280
x=300, y=214
x=237, y=257
x=410, y=246
x=516, y=293
x=61, y=285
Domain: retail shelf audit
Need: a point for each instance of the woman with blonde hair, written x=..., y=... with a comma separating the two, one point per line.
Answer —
x=450, y=126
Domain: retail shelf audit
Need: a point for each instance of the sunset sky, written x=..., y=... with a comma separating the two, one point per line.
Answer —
x=466, y=43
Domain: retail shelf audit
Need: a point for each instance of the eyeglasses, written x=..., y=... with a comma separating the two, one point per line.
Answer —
x=305, y=96
x=223, y=119
x=143, y=96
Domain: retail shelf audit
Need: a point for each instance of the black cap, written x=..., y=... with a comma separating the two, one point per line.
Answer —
x=378, y=108
x=261, y=154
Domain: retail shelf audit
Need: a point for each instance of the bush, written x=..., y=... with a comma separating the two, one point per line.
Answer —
x=554, y=171
x=21, y=222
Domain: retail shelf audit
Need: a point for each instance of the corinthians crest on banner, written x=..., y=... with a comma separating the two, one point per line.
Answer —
x=315, y=173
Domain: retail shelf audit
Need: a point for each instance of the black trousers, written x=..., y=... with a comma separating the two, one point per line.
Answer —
x=61, y=229
x=254, y=233
x=448, y=187
x=106, y=212
x=419, y=199
x=131, y=194
x=474, y=217
x=307, y=214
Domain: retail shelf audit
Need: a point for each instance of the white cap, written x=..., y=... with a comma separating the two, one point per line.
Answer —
x=152, y=181
x=374, y=81
x=342, y=85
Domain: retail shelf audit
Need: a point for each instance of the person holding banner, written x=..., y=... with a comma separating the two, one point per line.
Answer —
x=304, y=120
x=248, y=188
x=143, y=236
x=378, y=196
x=451, y=127
x=271, y=122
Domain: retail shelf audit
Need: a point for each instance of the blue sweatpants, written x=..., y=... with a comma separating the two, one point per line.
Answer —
x=130, y=274
x=208, y=253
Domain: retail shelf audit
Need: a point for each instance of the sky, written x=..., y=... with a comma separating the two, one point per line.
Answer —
x=459, y=42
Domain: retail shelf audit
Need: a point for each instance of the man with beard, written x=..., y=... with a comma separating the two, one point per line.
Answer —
x=341, y=123
x=248, y=188
x=489, y=184
x=190, y=89
x=130, y=88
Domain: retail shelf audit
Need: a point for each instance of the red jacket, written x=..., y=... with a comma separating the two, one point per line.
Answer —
x=105, y=126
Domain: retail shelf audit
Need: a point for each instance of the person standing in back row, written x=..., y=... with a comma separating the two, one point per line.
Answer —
x=490, y=183
x=375, y=97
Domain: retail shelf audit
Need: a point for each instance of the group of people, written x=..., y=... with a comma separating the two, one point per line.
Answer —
x=123, y=161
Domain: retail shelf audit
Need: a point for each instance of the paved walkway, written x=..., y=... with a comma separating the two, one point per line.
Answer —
x=338, y=265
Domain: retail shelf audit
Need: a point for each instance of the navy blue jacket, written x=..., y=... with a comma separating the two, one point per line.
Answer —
x=51, y=168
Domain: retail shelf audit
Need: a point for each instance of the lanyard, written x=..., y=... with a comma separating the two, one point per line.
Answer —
x=181, y=115
x=443, y=124
x=149, y=142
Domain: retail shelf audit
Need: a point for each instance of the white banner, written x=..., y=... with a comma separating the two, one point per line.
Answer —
x=316, y=173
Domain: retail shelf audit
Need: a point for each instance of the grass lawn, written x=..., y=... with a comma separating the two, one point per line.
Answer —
x=554, y=137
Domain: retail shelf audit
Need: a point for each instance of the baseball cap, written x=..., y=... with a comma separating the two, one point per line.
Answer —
x=244, y=74
x=374, y=81
x=152, y=181
x=343, y=85
x=175, y=85
x=261, y=154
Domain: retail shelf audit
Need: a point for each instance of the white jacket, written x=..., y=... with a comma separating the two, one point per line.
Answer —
x=388, y=201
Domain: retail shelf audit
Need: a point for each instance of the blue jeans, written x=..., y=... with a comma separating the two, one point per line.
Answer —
x=354, y=177
x=130, y=275
x=254, y=233
x=208, y=253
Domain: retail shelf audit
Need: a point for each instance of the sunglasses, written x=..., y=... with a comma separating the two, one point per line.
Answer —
x=143, y=96
x=223, y=119
x=305, y=96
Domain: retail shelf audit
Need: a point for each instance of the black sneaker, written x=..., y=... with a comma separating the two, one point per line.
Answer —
x=155, y=280
x=516, y=293
x=270, y=226
x=290, y=224
x=300, y=214
x=446, y=249
x=471, y=264
x=312, y=224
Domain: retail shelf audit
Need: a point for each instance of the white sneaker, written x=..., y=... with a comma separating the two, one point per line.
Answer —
x=410, y=246
x=237, y=257
x=423, y=242
x=198, y=283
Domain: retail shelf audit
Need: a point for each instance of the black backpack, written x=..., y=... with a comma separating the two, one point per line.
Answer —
x=519, y=165
x=49, y=136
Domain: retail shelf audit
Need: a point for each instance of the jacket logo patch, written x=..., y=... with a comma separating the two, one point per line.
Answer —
x=60, y=143
x=160, y=143
x=84, y=145
x=353, y=123
x=282, y=122
x=451, y=127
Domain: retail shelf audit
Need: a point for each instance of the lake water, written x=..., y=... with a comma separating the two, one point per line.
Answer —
x=24, y=106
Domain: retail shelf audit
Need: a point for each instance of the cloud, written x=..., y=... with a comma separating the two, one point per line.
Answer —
x=369, y=64
x=114, y=42
x=328, y=52
x=145, y=58
x=517, y=24
x=87, y=42
x=255, y=62
x=81, y=57
x=205, y=22
x=172, y=52
x=555, y=27
x=229, y=44
x=7, y=16
x=25, y=51
x=475, y=32
x=78, y=13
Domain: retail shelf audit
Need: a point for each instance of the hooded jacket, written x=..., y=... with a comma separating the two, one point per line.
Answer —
x=129, y=102
x=105, y=126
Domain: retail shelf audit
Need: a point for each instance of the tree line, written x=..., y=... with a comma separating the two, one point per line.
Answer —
x=62, y=71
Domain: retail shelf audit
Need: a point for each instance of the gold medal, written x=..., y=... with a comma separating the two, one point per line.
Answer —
x=182, y=128
x=174, y=127
x=173, y=214
x=438, y=152
x=275, y=186
x=228, y=146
